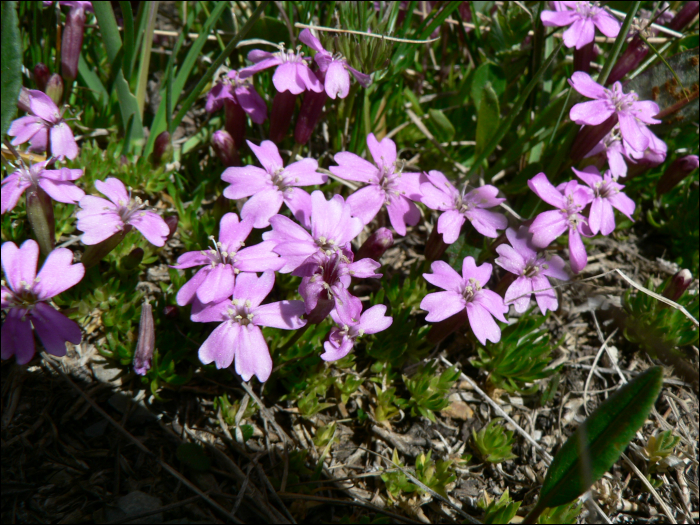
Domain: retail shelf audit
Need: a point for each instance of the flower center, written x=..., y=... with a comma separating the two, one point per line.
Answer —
x=471, y=289
x=240, y=312
x=587, y=9
x=290, y=56
x=328, y=246
x=623, y=101
x=605, y=190
x=218, y=256
x=25, y=296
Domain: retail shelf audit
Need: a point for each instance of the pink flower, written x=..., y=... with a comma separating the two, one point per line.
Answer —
x=272, y=186
x=606, y=196
x=334, y=68
x=240, y=92
x=27, y=295
x=342, y=338
x=440, y=194
x=465, y=292
x=239, y=333
x=570, y=198
x=99, y=218
x=57, y=183
x=615, y=150
x=332, y=228
x=215, y=282
x=387, y=184
x=632, y=114
x=43, y=128
x=524, y=260
x=583, y=17
x=326, y=282
x=293, y=73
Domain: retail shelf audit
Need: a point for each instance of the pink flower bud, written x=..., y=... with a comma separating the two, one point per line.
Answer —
x=442, y=329
x=41, y=76
x=309, y=115
x=680, y=282
x=54, y=88
x=162, y=149
x=40, y=215
x=94, y=253
x=376, y=244
x=281, y=116
x=225, y=148
x=235, y=122
x=583, y=57
x=679, y=169
x=146, y=341
x=171, y=221
x=23, y=100
x=435, y=246
x=72, y=42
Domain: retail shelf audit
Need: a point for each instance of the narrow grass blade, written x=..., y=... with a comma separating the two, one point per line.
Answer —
x=11, y=64
x=128, y=22
x=617, y=46
x=96, y=88
x=598, y=442
x=145, y=62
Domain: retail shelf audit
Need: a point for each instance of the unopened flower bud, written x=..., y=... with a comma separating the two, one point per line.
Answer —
x=281, y=115
x=435, y=246
x=235, y=122
x=222, y=206
x=162, y=149
x=23, y=100
x=72, y=42
x=54, y=88
x=309, y=115
x=41, y=76
x=131, y=261
x=94, y=253
x=171, y=312
x=40, y=215
x=440, y=330
x=146, y=342
x=589, y=137
x=224, y=148
x=680, y=282
x=679, y=169
x=583, y=57
x=171, y=221
x=322, y=310
x=376, y=244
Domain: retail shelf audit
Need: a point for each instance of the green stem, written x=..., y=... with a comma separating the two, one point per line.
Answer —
x=621, y=37
x=294, y=338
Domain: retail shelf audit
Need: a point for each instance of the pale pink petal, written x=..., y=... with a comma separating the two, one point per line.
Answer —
x=58, y=274
x=268, y=155
x=152, y=227
x=555, y=267
x=12, y=189
x=518, y=294
x=352, y=167
x=483, y=325
x=253, y=355
x=402, y=212
x=262, y=206
x=337, y=81
x=409, y=185
x=363, y=78
x=374, y=319
x=484, y=197
x=590, y=175
x=592, y=113
x=346, y=304
x=607, y=24
x=558, y=18
x=623, y=203
x=258, y=258
x=310, y=292
x=40, y=141
x=310, y=40
x=42, y=106
x=595, y=217
x=62, y=141
x=303, y=173
x=190, y=259
x=434, y=198
x=510, y=259
x=547, y=299
x=97, y=226
x=212, y=312
x=364, y=269
x=631, y=132
x=441, y=305
x=189, y=289
x=470, y=270
x=487, y=222
x=233, y=233
x=250, y=287
x=584, y=84
x=25, y=128
x=607, y=218
x=64, y=174
x=335, y=352
x=114, y=190
x=547, y=226
x=286, y=230
x=577, y=251
x=17, y=337
x=645, y=110
x=54, y=329
x=252, y=103
x=218, y=284
x=19, y=264
x=285, y=78
x=384, y=152
x=62, y=191
x=521, y=240
x=449, y=225
x=366, y=202
x=544, y=190
x=299, y=202
x=580, y=33
x=244, y=182
x=444, y=276
x=263, y=61
x=282, y=314
x=221, y=345
x=325, y=215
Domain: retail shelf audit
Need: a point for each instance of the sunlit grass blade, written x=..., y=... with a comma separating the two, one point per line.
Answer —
x=145, y=62
x=11, y=63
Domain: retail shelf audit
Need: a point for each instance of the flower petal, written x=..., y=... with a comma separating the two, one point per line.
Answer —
x=58, y=274
x=518, y=294
x=337, y=81
x=282, y=314
x=244, y=182
x=262, y=206
x=188, y=290
x=441, y=305
x=547, y=299
x=352, y=167
x=375, y=320
x=17, y=337
x=250, y=287
x=384, y=152
x=482, y=324
x=577, y=251
x=449, y=225
x=221, y=345
x=546, y=191
x=584, y=84
x=218, y=284
x=268, y=155
x=592, y=113
x=402, y=212
x=61, y=191
x=303, y=173
x=62, y=141
x=253, y=355
x=366, y=202
x=114, y=190
x=20, y=264
x=12, y=189
x=444, y=276
x=547, y=226
x=54, y=329
x=470, y=270
x=152, y=227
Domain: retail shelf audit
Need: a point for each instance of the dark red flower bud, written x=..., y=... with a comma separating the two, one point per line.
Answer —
x=680, y=282
x=72, y=42
x=162, y=149
x=679, y=169
x=40, y=215
x=171, y=221
x=376, y=244
x=225, y=148
x=309, y=115
x=235, y=122
x=41, y=76
x=435, y=246
x=147, y=341
x=281, y=115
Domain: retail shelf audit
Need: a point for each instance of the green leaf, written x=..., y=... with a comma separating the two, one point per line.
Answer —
x=487, y=73
x=488, y=117
x=11, y=64
x=598, y=442
x=96, y=88
x=444, y=130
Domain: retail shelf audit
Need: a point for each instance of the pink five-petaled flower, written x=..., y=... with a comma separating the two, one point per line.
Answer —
x=337, y=81
x=440, y=194
x=332, y=228
x=239, y=333
x=326, y=282
x=342, y=338
x=46, y=124
x=27, y=296
x=465, y=292
x=292, y=74
x=632, y=114
x=57, y=183
x=240, y=92
x=272, y=186
x=606, y=196
x=583, y=17
x=99, y=218
x=523, y=259
x=549, y=225
x=387, y=184
x=215, y=282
